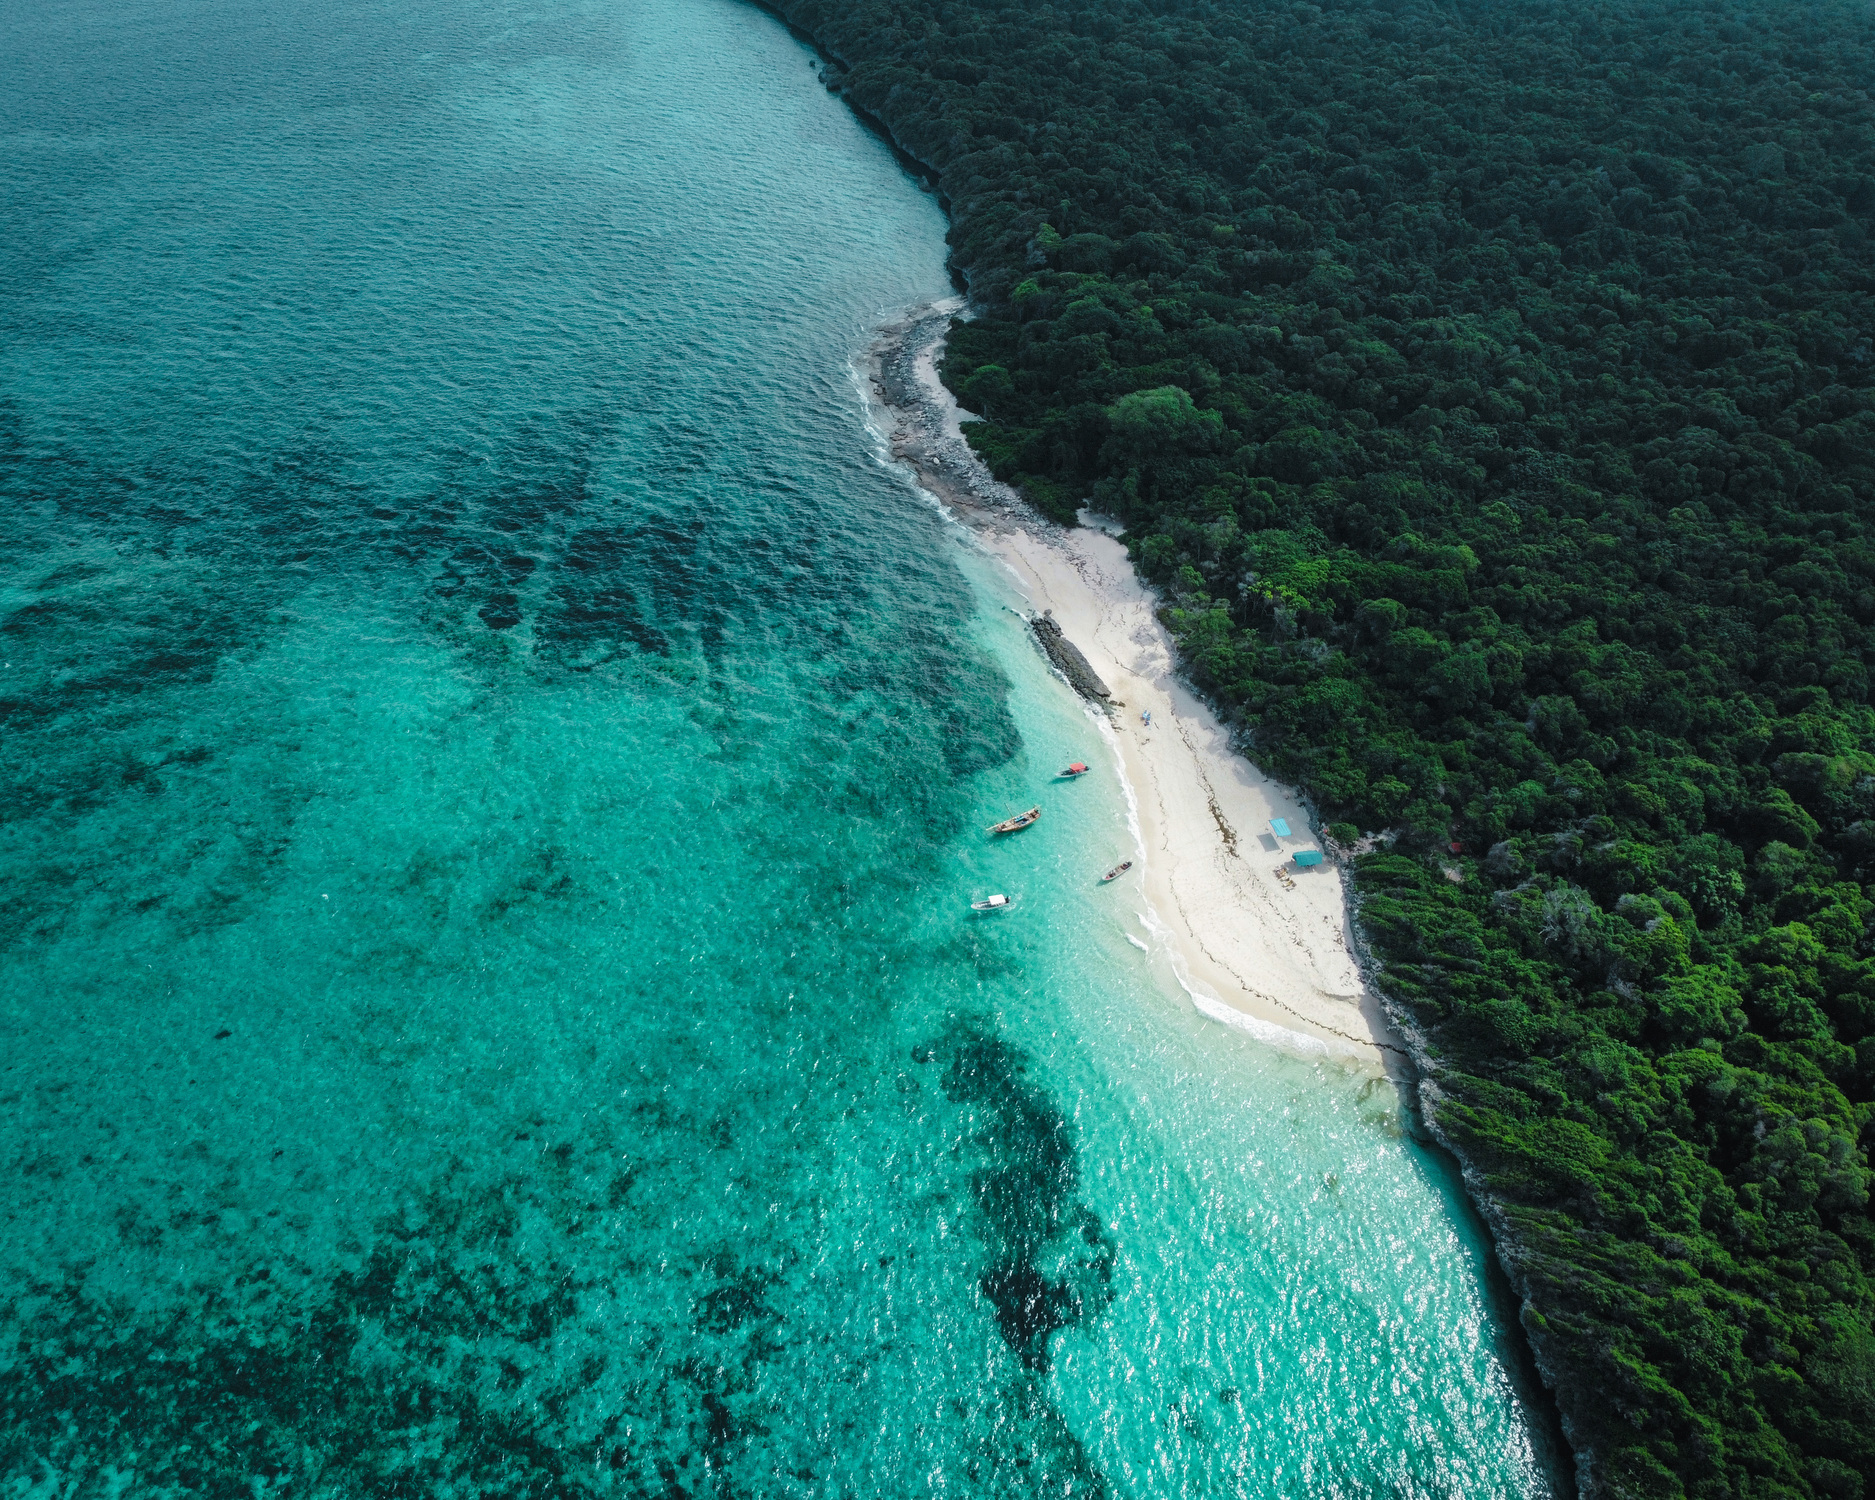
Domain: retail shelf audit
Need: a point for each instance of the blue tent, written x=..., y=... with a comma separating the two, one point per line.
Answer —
x=1307, y=857
x=1280, y=827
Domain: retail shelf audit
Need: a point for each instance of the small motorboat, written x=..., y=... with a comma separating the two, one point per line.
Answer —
x=991, y=903
x=1117, y=871
x=1019, y=821
x=1079, y=768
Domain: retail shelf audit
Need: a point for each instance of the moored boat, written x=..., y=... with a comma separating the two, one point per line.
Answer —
x=992, y=903
x=1117, y=871
x=1079, y=768
x=1020, y=820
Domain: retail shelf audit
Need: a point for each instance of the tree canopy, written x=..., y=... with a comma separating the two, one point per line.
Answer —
x=1490, y=390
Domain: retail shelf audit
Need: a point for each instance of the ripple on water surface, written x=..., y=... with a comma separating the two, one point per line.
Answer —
x=493, y=768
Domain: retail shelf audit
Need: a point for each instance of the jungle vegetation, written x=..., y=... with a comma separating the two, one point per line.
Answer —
x=1490, y=390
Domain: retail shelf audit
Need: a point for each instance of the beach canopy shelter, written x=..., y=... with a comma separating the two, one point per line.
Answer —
x=1280, y=827
x=1307, y=857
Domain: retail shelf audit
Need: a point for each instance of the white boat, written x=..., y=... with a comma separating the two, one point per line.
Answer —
x=992, y=903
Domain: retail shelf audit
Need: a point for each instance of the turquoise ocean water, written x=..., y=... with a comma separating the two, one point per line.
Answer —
x=494, y=766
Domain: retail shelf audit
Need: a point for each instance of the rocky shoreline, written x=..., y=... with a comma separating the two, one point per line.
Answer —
x=1068, y=659
x=903, y=370
x=1513, y=1257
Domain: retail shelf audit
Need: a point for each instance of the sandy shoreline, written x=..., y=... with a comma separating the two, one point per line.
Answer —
x=1268, y=957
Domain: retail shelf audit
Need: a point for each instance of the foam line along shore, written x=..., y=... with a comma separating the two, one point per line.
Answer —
x=1258, y=942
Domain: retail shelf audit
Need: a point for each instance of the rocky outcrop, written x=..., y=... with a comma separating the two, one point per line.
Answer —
x=1067, y=657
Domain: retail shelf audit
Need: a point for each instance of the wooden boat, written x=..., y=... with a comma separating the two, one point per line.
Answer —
x=1117, y=871
x=1077, y=769
x=994, y=903
x=1019, y=821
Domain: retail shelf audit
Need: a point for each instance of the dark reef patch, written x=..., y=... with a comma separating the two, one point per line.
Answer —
x=534, y=1330
x=452, y=1357
x=501, y=612
x=1029, y=1307
x=1025, y=1182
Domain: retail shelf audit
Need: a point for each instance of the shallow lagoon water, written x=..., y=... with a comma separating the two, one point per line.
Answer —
x=495, y=766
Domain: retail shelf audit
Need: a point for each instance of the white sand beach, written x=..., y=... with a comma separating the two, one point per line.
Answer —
x=1268, y=953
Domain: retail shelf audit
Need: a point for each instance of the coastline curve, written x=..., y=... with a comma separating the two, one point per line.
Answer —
x=1268, y=954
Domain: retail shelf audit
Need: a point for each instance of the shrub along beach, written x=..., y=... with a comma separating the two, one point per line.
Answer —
x=1491, y=394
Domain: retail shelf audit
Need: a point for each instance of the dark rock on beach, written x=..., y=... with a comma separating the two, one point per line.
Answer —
x=924, y=437
x=1067, y=657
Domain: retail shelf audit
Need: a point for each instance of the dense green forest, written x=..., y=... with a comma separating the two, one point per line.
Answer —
x=1490, y=390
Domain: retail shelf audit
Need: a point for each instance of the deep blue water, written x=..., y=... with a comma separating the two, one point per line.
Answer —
x=493, y=768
